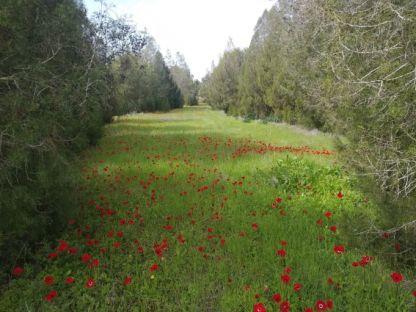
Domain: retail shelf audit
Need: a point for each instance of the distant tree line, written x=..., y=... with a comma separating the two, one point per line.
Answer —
x=347, y=67
x=62, y=76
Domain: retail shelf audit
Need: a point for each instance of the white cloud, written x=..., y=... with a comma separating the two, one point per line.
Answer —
x=198, y=29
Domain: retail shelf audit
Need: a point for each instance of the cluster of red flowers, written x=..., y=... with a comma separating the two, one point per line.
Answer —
x=214, y=181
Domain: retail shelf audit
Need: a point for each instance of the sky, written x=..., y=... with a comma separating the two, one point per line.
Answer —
x=199, y=29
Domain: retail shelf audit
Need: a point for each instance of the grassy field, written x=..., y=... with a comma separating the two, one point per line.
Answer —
x=195, y=211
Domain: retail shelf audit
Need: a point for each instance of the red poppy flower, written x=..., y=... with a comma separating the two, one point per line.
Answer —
x=339, y=249
x=70, y=280
x=329, y=304
x=285, y=278
x=365, y=260
x=17, y=271
x=154, y=267
x=281, y=253
x=259, y=307
x=51, y=295
x=120, y=234
x=90, y=283
x=116, y=245
x=48, y=280
x=284, y=306
x=396, y=277
x=73, y=250
x=333, y=228
x=308, y=309
x=128, y=280
x=328, y=214
x=297, y=287
x=414, y=293
x=257, y=296
x=320, y=305
x=63, y=245
x=287, y=269
x=283, y=242
x=340, y=195
x=277, y=297
x=86, y=257
x=210, y=230
x=355, y=264
x=255, y=226
x=320, y=222
x=397, y=247
x=95, y=263
x=201, y=248
x=330, y=281
x=53, y=255
x=168, y=227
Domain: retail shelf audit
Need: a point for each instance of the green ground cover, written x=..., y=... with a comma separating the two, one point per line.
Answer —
x=195, y=211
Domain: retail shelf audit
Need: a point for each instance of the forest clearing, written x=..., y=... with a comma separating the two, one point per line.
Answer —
x=195, y=211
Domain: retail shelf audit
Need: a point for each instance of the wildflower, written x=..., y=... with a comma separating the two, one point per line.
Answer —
x=340, y=195
x=154, y=267
x=48, y=280
x=329, y=304
x=17, y=271
x=285, y=278
x=259, y=307
x=90, y=283
x=51, y=295
x=281, y=253
x=320, y=305
x=70, y=280
x=277, y=297
x=297, y=287
x=284, y=306
x=128, y=280
x=86, y=257
x=396, y=277
x=95, y=263
x=339, y=249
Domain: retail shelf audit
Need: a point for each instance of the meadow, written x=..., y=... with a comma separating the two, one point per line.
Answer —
x=192, y=210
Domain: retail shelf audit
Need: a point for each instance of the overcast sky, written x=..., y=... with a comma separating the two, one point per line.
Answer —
x=199, y=29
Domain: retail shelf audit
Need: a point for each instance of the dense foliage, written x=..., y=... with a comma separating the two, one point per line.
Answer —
x=57, y=88
x=340, y=66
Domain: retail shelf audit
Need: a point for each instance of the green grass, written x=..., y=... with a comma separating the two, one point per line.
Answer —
x=151, y=169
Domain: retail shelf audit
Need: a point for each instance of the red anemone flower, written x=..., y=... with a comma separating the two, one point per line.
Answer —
x=259, y=307
x=396, y=277
x=339, y=249
x=320, y=305
x=51, y=295
x=17, y=271
x=70, y=280
x=277, y=297
x=128, y=280
x=48, y=280
x=297, y=287
x=284, y=306
x=285, y=278
x=90, y=283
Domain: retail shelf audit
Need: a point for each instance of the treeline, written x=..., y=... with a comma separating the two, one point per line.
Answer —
x=347, y=67
x=62, y=76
